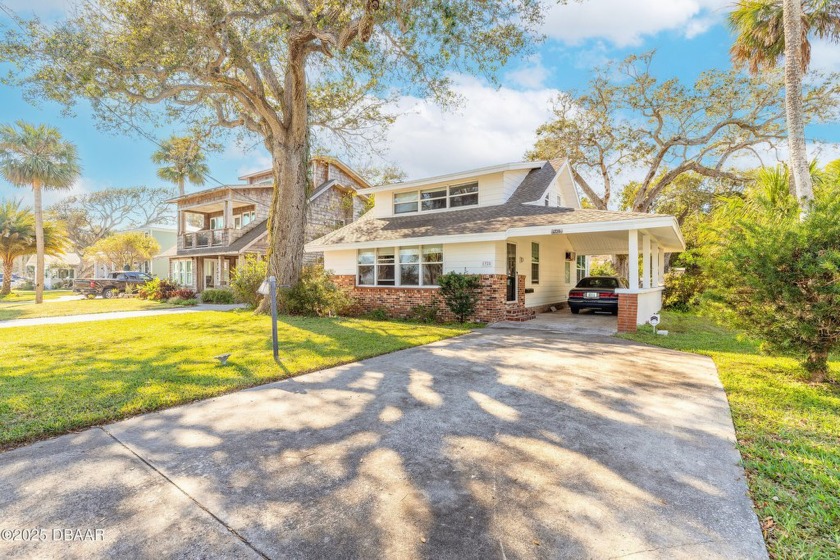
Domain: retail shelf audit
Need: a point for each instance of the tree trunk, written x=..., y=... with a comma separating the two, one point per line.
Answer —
x=290, y=155
x=39, y=243
x=800, y=173
x=816, y=364
x=8, y=266
x=180, y=186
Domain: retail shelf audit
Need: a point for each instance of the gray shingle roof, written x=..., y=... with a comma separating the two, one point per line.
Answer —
x=535, y=183
x=484, y=219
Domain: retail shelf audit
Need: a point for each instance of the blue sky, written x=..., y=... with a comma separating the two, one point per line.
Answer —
x=492, y=126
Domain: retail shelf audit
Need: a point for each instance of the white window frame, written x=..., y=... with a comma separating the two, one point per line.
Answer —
x=535, y=261
x=397, y=264
x=416, y=198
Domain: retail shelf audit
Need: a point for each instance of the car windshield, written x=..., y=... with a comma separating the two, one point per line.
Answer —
x=598, y=283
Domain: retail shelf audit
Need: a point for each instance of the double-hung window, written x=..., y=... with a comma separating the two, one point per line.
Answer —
x=463, y=195
x=403, y=266
x=405, y=202
x=434, y=199
x=535, y=263
x=409, y=266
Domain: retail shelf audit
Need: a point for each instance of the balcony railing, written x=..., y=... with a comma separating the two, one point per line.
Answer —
x=206, y=238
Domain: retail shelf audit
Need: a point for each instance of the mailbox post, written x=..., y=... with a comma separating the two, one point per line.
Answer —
x=654, y=320
x=269, y=288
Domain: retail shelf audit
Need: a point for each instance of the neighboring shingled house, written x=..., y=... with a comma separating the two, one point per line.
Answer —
x=519, y=226
x=217, y=227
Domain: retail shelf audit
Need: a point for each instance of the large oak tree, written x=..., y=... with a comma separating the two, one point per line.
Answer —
x=630, y=125
x=277, y=68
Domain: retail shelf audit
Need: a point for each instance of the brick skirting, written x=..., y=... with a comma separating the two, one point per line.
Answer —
x=628, y=309
x=397, y=302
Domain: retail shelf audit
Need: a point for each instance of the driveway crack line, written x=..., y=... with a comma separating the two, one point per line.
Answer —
x=230, y=529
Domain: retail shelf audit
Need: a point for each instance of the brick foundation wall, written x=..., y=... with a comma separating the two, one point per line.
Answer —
x=490, y=308
x=628, y=309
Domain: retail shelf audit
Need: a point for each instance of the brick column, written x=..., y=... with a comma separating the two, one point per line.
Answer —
x=628, y=309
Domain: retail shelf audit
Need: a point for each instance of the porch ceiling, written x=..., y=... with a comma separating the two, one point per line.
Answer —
x=616, y=242
x=213, y=207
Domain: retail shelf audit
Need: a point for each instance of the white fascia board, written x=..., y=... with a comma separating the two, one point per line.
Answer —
x=468, y=174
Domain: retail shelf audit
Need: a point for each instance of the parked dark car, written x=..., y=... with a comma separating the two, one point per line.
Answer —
x=596, y=292
x=112, y=285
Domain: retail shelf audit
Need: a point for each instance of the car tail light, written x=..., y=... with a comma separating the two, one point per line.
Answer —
x=92, y=284
x=575, y=294
x=605, y=294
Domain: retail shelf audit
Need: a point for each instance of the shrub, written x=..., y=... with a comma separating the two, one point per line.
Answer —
x=182, y=301
x=315, y=294
x=682, y=289
x=158, y=289
x=778, y=278
x=27, y=286
x=217, y=295
x=602, y=268
x=247, y=279
x=184, y=293
x=425, y=313
x=460, y=293
x=377, y=314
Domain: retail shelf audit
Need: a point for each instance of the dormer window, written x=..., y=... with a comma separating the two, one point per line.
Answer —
x=439, y=198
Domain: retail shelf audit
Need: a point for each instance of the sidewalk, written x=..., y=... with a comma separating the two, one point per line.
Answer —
x=90, y=317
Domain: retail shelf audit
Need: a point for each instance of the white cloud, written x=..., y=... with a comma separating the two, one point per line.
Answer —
x=825, y=55
x=492, y=126
x=624, y=23
x=531, y=75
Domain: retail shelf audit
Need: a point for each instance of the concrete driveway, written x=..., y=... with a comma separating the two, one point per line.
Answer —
x=498, y=444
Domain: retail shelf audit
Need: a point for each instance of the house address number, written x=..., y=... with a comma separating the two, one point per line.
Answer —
x=486, y=264
x=556, y=232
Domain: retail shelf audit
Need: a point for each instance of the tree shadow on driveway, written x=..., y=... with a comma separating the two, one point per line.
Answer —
x=506, y=444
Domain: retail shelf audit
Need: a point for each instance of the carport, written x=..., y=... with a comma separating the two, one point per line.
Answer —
x=644, y=238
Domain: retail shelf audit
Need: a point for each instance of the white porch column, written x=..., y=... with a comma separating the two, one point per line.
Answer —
x=661, y=266
x=654, y=265
x=645, y=260
x=633, y=258
x=219, y=271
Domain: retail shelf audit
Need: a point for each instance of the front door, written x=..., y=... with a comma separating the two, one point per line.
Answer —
x=511, y=271
x=209, y=273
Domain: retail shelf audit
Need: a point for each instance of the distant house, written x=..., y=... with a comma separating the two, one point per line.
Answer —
x=519, y=226
x=58, y=269
x=217, y=227
x=167, y=238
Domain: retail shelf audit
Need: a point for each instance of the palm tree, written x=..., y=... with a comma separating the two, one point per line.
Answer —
x=17, y=238
x=185, y=160
x=37, y=156
x=769, y=29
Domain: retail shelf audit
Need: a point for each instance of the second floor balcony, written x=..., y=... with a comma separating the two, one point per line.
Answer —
x=206, y=238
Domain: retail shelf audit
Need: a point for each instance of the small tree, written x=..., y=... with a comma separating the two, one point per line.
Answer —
x=460, y=293
x=17, y=238
x=246, y=280
x=779, y=278
x=126, y=249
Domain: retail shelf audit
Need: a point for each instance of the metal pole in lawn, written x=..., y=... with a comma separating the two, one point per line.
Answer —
x=272, y=287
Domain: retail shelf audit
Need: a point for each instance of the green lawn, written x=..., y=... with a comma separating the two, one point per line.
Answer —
x=18, y=296
x=65, y=377
x=788, y=434
x=28, y=310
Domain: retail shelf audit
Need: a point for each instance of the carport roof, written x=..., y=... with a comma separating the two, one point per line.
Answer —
x=488, y=222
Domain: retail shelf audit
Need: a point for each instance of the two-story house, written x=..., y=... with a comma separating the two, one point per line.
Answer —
x=217, y=227
x=520, y=226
